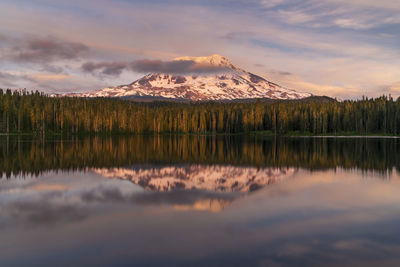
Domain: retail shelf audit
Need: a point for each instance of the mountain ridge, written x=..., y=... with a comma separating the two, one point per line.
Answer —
x=224, y=82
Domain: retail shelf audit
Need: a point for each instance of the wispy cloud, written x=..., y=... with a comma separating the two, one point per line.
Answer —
x=106, y=68
x=356, y=15
x=35, y=49
x=272, y=3
x=148, y=66
x=318, y=42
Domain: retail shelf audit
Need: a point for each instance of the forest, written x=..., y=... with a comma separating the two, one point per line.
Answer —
x=24, y=112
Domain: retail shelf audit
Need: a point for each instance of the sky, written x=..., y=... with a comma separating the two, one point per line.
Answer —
x=341, y=48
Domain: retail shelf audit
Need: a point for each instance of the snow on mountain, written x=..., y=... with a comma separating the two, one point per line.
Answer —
x=231, y=84
x=198, y=177
x=216, y=186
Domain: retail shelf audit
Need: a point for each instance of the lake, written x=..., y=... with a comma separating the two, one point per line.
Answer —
x=199, y=201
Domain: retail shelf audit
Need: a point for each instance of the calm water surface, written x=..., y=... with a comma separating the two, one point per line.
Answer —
x=196, y=201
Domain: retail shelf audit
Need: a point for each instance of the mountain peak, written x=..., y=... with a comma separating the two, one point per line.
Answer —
x=215, y=60
x=231, y=83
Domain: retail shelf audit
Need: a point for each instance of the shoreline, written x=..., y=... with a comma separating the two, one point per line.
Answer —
x=259, y=134
x=347, y=136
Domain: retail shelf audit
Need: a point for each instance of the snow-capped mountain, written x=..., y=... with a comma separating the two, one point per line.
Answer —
x=230, y=83
x=199, y=177
x=211, y=188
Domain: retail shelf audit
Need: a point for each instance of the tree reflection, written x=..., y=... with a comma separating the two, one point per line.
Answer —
x=21, y=156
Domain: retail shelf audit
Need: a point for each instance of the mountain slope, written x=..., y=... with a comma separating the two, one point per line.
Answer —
x=198, y=177
x=230, y=84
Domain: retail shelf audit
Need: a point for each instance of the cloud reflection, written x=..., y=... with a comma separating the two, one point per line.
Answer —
x=341, y=217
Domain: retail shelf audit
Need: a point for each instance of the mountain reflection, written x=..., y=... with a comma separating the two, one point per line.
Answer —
x=20, y=156
x=215, y=186
x=196, y=177
x=199, y=200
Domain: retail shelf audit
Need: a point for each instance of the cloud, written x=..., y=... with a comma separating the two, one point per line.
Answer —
x=295, y=16
x=102, y=194
x=354, y=15
x=6, y=75
x=177, y=197
x=393, y=90
x=48, y=187
x=48, y=77
x=43, y=55
x=44, y=213
x=296, y=82
x=239, y=35
x=351, y=24
x=279, y=73
x=106, y=68
x=148, y=66
x=271, y=3
x=175, y=67
x=395, y=87
x=51, y=68
x=6, y=80
x=301, y=37
x=39, y=50
x=382, y=4
x=10, y=78
x=49, y=82
x=366, y=21
x=180, y=197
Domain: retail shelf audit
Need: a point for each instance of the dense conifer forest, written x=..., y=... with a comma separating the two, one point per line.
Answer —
x=22, y=112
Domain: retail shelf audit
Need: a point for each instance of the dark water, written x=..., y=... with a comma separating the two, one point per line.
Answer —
x=199, y=201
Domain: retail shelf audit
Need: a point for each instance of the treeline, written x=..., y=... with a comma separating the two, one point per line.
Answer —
x=22, y=112
x=32, y=156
